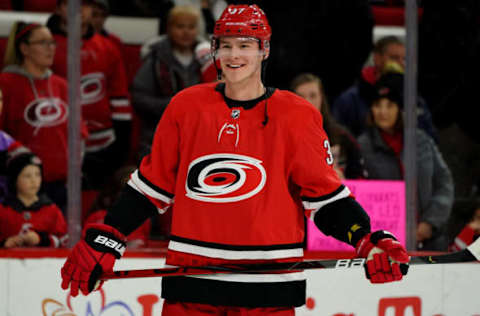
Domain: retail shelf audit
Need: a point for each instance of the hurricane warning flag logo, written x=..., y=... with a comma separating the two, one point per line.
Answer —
x=222, y=178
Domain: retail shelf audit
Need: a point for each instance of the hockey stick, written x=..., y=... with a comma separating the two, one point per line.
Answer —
x=470, y=254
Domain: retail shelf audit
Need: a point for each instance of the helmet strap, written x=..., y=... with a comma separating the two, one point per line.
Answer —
x=218, y=69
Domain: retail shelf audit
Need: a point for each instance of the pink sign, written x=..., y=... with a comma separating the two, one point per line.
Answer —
x=383, y=200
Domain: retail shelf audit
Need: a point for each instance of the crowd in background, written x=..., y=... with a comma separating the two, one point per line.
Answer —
x=318, y=55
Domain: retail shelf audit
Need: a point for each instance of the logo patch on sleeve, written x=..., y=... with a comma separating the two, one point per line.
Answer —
x=223, y=178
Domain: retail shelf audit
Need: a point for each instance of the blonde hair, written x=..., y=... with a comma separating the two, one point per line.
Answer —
x=183, y=10
x=19, y=33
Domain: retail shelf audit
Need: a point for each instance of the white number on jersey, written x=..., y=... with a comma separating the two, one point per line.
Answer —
x=326, y=144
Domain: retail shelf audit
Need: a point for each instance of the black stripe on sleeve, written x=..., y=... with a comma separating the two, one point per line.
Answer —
x=129, y=211
x=344, y=219
x=323, y=197
x=153, y=186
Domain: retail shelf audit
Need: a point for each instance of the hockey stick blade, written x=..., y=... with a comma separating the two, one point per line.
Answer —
x=470, y=254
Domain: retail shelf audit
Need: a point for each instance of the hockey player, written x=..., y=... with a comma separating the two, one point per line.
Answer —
x=241, y=164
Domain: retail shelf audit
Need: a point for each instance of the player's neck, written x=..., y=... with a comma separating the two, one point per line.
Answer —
x=244, y=90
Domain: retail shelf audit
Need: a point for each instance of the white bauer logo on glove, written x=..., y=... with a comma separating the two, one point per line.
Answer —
x=102, y=240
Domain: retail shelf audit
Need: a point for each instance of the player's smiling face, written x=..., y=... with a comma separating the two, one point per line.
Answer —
x=240, y=58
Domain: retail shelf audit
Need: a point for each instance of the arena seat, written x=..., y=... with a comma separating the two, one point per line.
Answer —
x=390, y=15
x=39, y=5
x=5, y=5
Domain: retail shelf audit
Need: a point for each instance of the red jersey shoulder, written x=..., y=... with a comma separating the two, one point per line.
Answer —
x=195, y=96
x=291, y=103
x=198, y=90
x=290, y=108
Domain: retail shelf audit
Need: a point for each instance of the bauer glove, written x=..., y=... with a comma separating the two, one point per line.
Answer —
x=386, y=259
x=93, y=255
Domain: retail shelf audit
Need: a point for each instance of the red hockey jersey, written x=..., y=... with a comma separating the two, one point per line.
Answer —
x=103, y=87
x=35, y=113
x=240, y=182
x=43, y=217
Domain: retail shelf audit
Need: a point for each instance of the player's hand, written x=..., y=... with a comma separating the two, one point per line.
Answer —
x=93, y=255
x=387, y=259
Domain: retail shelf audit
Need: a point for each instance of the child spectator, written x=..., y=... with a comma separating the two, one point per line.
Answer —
x=382, y=147
x=104, y=95
x=8, y=148
x=347, y=159
x=35, y=103
x=169, y=67
x=466, y=212
x=27, y=217
x=106, y=197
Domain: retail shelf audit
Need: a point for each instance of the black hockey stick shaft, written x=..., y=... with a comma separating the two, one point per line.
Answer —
x=471, y=254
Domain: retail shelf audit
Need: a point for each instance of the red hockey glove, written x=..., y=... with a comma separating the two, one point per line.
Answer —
x=92, y=256
x=387, y=259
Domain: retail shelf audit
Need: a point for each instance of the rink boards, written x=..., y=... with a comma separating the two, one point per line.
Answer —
x=30, y=285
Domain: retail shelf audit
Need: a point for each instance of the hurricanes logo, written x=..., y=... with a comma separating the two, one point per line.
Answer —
x=92, y=87
x=222, y=178
x=45, y=112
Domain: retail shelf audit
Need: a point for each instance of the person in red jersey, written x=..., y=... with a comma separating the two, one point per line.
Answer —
x=240, y=165
x=29, y=218
x=35, y=108
x=104, y=95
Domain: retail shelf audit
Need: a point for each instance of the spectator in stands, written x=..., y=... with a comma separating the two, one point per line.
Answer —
x=466, y=212
x=35, y=103
x=106, y=197
x=104, y=95
x=383, y=148
x=29, y=218
x=169, y=67
x=9, y=147
x=351, y=107
x=100, y=13
x=211, y=11
x=347, y=159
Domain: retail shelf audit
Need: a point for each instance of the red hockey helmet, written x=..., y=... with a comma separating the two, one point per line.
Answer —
x=243, y=21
